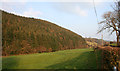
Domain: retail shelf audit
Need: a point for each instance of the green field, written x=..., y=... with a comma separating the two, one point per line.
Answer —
x=66, y=59
x=113, y=44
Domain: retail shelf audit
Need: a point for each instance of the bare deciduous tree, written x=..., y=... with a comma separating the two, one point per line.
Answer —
x=111, y=21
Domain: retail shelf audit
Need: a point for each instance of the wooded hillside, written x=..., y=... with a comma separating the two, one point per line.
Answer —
x=22, y=35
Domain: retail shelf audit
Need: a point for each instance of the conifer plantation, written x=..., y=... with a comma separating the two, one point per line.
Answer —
x=22, y=35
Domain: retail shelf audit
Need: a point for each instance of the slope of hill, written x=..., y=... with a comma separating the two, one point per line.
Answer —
x=96, y=41
x=66, y=59
x=22, y=35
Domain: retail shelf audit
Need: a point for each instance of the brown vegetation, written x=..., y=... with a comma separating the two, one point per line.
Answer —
x=22, y=35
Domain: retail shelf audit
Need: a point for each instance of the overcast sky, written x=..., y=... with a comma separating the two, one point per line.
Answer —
x=75, y=15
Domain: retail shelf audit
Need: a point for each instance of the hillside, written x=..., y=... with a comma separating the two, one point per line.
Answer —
x=22, y=35
x=96, y=41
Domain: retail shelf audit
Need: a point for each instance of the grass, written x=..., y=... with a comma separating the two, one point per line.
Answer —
x=113, y=44
x=66, y=59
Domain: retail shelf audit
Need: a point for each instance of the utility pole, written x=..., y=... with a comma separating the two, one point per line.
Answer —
x=102, y=39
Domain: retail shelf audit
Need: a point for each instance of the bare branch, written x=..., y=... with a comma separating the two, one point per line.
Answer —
x=112, y=32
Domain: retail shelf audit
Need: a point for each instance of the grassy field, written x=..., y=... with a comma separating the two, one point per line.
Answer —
x=113, y=44
x=66, y=59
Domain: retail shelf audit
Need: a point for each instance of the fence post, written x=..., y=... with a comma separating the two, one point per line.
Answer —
x=115, y=68
x=118, y=66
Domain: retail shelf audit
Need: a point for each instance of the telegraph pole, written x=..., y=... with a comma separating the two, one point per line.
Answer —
x=102, y=39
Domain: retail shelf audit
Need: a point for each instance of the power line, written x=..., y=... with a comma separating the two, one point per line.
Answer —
x=102, y=34
x=95, y=11
x=97, y=18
